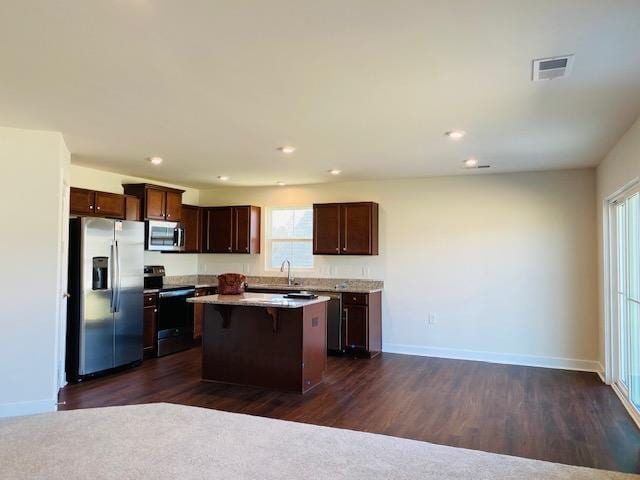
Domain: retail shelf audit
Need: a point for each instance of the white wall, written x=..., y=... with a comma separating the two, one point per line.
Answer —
x=620, y=167
x=83, y=177
x=506, y=262
x=34, y=165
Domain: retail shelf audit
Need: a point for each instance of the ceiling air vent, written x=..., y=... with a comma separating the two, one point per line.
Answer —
x=551, y=68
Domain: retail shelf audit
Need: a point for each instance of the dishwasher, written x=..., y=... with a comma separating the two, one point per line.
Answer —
x=335, y=340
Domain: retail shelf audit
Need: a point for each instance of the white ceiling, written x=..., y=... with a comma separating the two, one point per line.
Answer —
x=366, y=86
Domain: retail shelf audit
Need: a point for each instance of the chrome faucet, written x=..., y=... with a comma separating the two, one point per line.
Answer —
x=289, y=277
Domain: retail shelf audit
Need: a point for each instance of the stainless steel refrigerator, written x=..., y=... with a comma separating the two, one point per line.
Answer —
x=105, y=311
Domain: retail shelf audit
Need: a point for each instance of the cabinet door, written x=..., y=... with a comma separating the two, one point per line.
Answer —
x=149, y=335
x=81, y=201
x=174, y=206
x=132, y=208
x=155, y=204
x=357, y=229
x=241, y=229
x=355, y=324
x=109, y=205
x=191, y=221
x=219, y=230
x=326, y=229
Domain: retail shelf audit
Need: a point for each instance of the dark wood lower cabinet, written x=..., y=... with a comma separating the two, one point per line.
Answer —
x=362, y=323
x=150, y=324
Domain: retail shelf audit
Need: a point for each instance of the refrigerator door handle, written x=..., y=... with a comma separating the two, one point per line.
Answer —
x=118, y=280
x=112, y=275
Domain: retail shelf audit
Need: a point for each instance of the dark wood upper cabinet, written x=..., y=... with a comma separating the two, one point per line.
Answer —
x=173, y=206
x=154, y=202
x=345, y=228
x=326, y=229
x=158, y=202
x=191, y=221
x=132, y=208
x=81, y=201
x=359, y=229
x=103, y=204
x=219, y=230
x=109, y=204
x=234, y=229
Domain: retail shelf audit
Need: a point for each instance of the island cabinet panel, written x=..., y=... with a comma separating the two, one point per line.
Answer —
x=234, y=229
x=192, y=224
x=326, y=229
x=82, y=201
x=362, y=323
x=276, y=348
x=345, y=228
x=198, y=311
x=150, y=322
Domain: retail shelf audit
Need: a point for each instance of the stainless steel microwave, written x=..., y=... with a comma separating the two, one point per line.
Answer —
x=164, y=236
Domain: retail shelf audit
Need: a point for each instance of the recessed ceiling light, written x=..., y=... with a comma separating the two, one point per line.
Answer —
x=455, y=134
x=335, y=172
x=471, y=162
x=287, y=149
x=282, y=184
x=155, y=160
x=223, y=178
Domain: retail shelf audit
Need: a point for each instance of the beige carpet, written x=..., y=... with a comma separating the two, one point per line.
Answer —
x=164, y=441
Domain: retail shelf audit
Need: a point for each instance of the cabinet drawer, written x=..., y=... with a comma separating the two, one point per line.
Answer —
x=149, y=299
x=355, y=298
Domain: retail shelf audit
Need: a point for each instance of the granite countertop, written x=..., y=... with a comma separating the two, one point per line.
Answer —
x=344, y=285
x=313, y=288
x=257, y=300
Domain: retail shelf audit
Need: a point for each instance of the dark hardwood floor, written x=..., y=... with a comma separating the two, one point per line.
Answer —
x=559, y=416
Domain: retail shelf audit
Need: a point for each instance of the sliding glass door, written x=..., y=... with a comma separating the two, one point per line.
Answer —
x=625, y=243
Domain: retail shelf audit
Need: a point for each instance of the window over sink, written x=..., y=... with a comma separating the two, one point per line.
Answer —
x=290, y=236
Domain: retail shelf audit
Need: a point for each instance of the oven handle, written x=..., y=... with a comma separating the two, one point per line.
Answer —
x=185, y=292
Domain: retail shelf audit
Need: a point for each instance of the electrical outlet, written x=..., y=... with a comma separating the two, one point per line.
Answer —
x=431, y=318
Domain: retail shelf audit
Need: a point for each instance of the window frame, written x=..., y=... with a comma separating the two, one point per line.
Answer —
x=268, y=239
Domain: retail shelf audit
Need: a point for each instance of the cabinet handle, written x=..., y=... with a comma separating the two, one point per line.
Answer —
x=229, y=248
x=155, y=310
x=98, y=208
x=168, y=215
x=90, y=207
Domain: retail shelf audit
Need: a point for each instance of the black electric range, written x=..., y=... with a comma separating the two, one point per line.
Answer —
x=175, y=315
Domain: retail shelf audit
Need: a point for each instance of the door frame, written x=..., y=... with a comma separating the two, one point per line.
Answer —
x=61, y=290
x=611, y=348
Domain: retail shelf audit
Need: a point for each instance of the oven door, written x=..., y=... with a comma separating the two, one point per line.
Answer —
x=175, y=321
x=164, y=236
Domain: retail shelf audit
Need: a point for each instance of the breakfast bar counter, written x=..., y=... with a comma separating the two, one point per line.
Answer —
x=264, y=340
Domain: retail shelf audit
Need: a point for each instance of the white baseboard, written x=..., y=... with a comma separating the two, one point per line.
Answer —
x=495, y=357
x=27, y=408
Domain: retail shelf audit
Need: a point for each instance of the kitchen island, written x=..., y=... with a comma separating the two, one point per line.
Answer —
x=264, y=340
